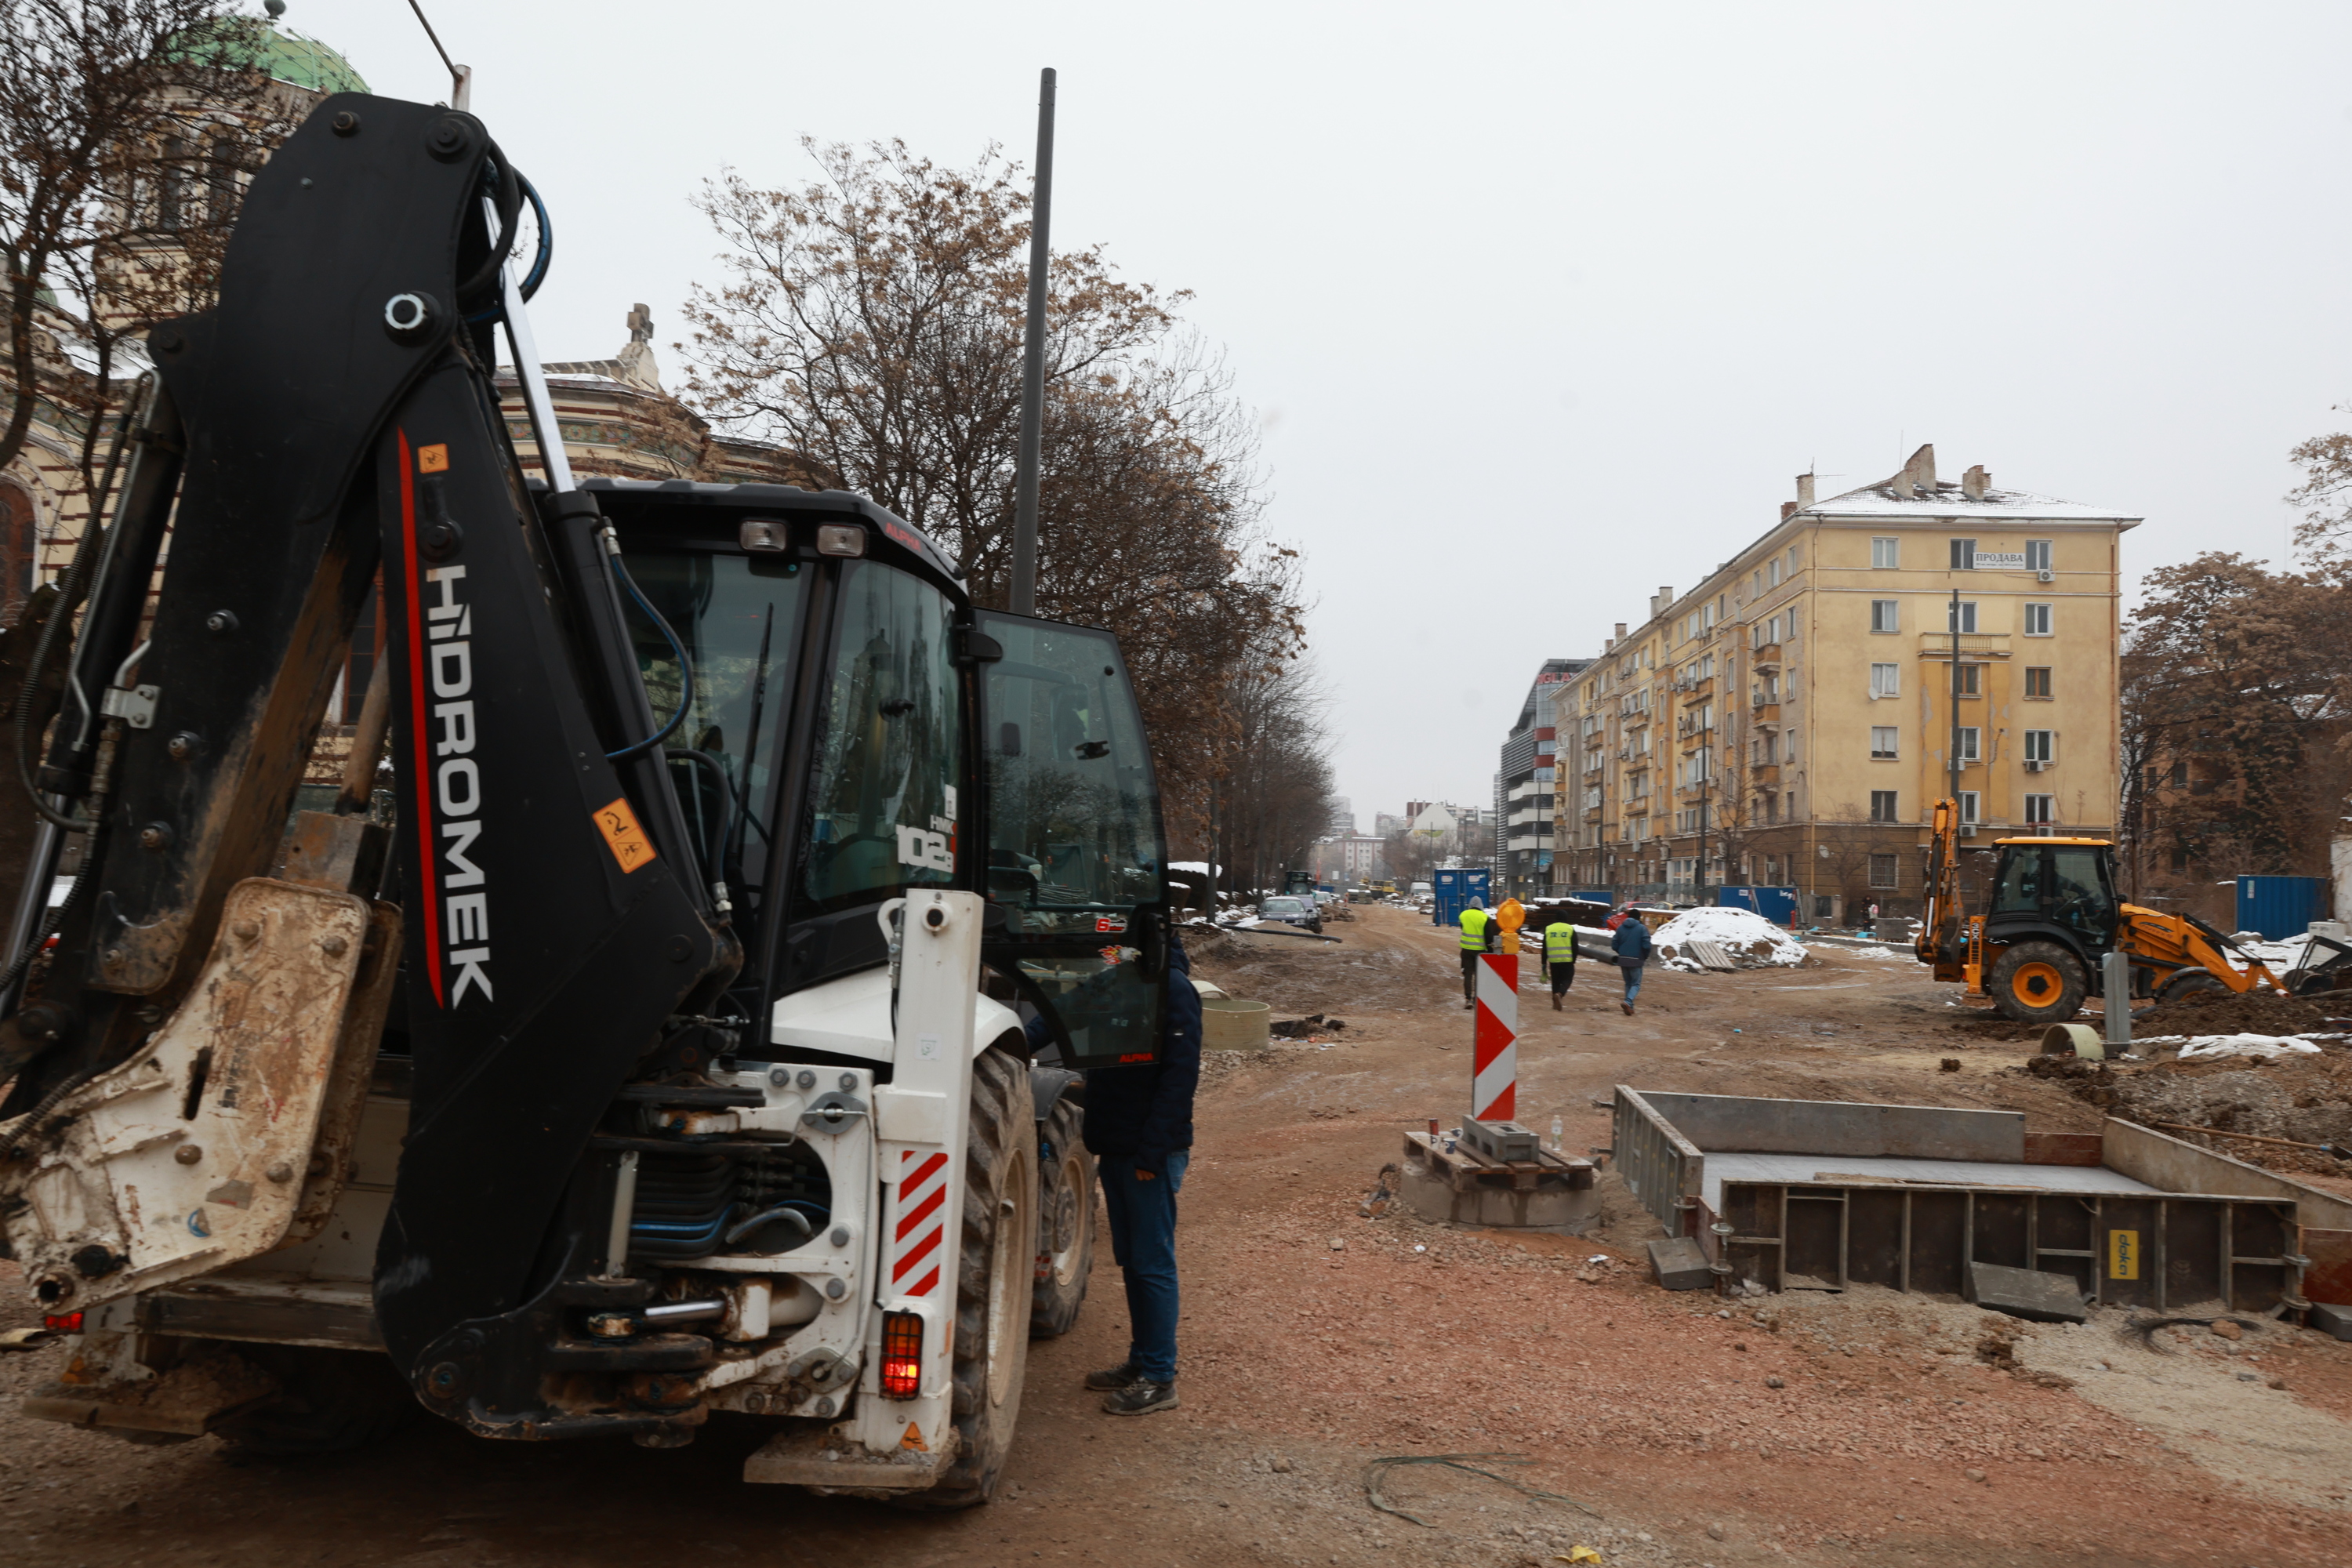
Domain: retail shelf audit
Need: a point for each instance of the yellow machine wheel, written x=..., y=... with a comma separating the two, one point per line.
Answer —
x=2036, y=983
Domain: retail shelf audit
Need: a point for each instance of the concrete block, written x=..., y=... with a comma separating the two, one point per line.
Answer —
x=2024, y=1293
x=2331, y=1318
x=1679, y=1265
x=1505, y=1143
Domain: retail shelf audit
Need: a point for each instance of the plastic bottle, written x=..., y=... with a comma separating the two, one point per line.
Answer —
x=1558, y=1132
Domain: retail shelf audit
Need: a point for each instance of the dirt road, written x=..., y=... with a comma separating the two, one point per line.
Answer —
x=1900, y=1430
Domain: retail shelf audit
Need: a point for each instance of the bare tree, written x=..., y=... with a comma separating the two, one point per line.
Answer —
x=2237, y=681
x=873, y=321
x=127, y=131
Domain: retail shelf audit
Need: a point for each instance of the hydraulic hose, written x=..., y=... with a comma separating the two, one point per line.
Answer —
x=684, y=665
x=715, y=864
x=543, y=254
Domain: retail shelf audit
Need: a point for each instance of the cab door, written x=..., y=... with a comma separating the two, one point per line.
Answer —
x=1073, y=859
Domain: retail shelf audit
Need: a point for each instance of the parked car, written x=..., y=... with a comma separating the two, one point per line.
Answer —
x=1295, y=911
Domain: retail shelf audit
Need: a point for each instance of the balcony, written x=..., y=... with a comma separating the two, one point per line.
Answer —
x=1703, y=686
x=1765, y=714
x=1764, y=773
x=1973, y=645
x=1592, y=814
x=1766, y=657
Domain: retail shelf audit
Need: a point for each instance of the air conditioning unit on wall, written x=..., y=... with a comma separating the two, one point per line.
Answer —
x=2045, y=576
x=2034, y=764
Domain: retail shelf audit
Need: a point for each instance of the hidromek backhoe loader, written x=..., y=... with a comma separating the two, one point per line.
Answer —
x=659, y=1057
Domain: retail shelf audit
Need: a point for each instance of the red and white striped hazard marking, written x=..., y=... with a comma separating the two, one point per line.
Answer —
x=919, y=1225
x=1495, y=1052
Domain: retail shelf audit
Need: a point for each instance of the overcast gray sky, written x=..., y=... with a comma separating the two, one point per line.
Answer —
x=1543, y=306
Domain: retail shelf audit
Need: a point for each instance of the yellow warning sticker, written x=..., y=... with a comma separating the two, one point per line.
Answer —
x=2123, y=1255
x=623, y=836
x=433, y=459
x=914, y=1439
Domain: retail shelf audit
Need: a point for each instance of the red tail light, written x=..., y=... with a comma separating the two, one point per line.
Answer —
x=63, y=1324
x=902, y=1354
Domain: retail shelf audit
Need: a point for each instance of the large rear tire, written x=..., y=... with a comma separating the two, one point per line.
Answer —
x=996, y=1264
x=1065, y=1222
x=2188, y=982
x=2037, y=983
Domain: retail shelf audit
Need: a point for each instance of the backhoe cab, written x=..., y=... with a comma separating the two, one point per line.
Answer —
x=2036, y=951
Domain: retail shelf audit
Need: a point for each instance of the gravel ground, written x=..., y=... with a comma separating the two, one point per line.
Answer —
x=1895, y=1435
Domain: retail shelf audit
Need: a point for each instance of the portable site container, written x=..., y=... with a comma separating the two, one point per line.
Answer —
x=2280, y=906
x=1455, y=888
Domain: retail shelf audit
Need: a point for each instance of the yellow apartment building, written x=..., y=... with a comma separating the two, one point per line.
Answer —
x=1792, y=720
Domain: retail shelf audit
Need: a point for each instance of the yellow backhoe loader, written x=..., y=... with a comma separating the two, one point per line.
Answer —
x=2054, y=915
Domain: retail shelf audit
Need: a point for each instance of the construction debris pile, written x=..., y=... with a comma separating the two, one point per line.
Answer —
x=1718, y=938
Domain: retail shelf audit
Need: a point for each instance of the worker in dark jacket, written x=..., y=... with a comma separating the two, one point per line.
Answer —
x=1139, y=1131
x=1631, y=944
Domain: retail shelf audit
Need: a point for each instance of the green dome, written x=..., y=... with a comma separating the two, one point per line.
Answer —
x=286, y=57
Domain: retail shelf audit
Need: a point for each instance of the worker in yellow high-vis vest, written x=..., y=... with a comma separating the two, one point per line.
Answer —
x=1559, y=959
x=1478, y=931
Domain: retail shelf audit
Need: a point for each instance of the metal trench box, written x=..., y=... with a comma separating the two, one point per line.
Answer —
x=1795, y=1194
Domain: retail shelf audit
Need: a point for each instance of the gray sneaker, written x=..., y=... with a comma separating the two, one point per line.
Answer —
x=1142, y=1399
x=1126, y=1374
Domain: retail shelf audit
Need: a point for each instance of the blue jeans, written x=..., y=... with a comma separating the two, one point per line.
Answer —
x=1633, y=981
x=1142, y=1216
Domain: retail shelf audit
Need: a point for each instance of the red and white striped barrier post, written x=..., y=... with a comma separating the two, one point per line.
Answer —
x=1495, y=1049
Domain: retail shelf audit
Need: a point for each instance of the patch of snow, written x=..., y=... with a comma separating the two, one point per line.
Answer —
x=2265, y=1046
x=1748, y=937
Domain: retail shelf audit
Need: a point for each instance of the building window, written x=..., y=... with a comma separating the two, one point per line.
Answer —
x=1968, y=734
x=1886, y=614
x=1886, y=554
x=2037, y=620
x=1882, y=806
x=2037, y=680
x=1789, y=804
x=1881, y=870
x=1769, y=805
x=1824, y=904
x=1964, y=554
x=2180, y=859
x=2037, y=812
x=2037, y=555
x=1886, y=680
x=1970, y=681
x=1882, y=742
x=1772, y=572
x=1968, y=806
x=1792, y=561
x=2041, y=746
x=1960, y=618
x=2180, y=773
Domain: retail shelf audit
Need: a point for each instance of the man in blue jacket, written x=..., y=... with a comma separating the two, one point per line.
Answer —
x=1632, y=945
x=1139, y=1131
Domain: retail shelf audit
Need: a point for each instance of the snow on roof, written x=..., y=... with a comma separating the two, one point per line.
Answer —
x=1950, y=502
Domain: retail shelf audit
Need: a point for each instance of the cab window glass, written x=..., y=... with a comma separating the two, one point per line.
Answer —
x=1074, y=827
x=739, y=618
x=883, y=803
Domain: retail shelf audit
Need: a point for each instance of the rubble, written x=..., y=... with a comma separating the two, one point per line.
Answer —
x=2220, y=1013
